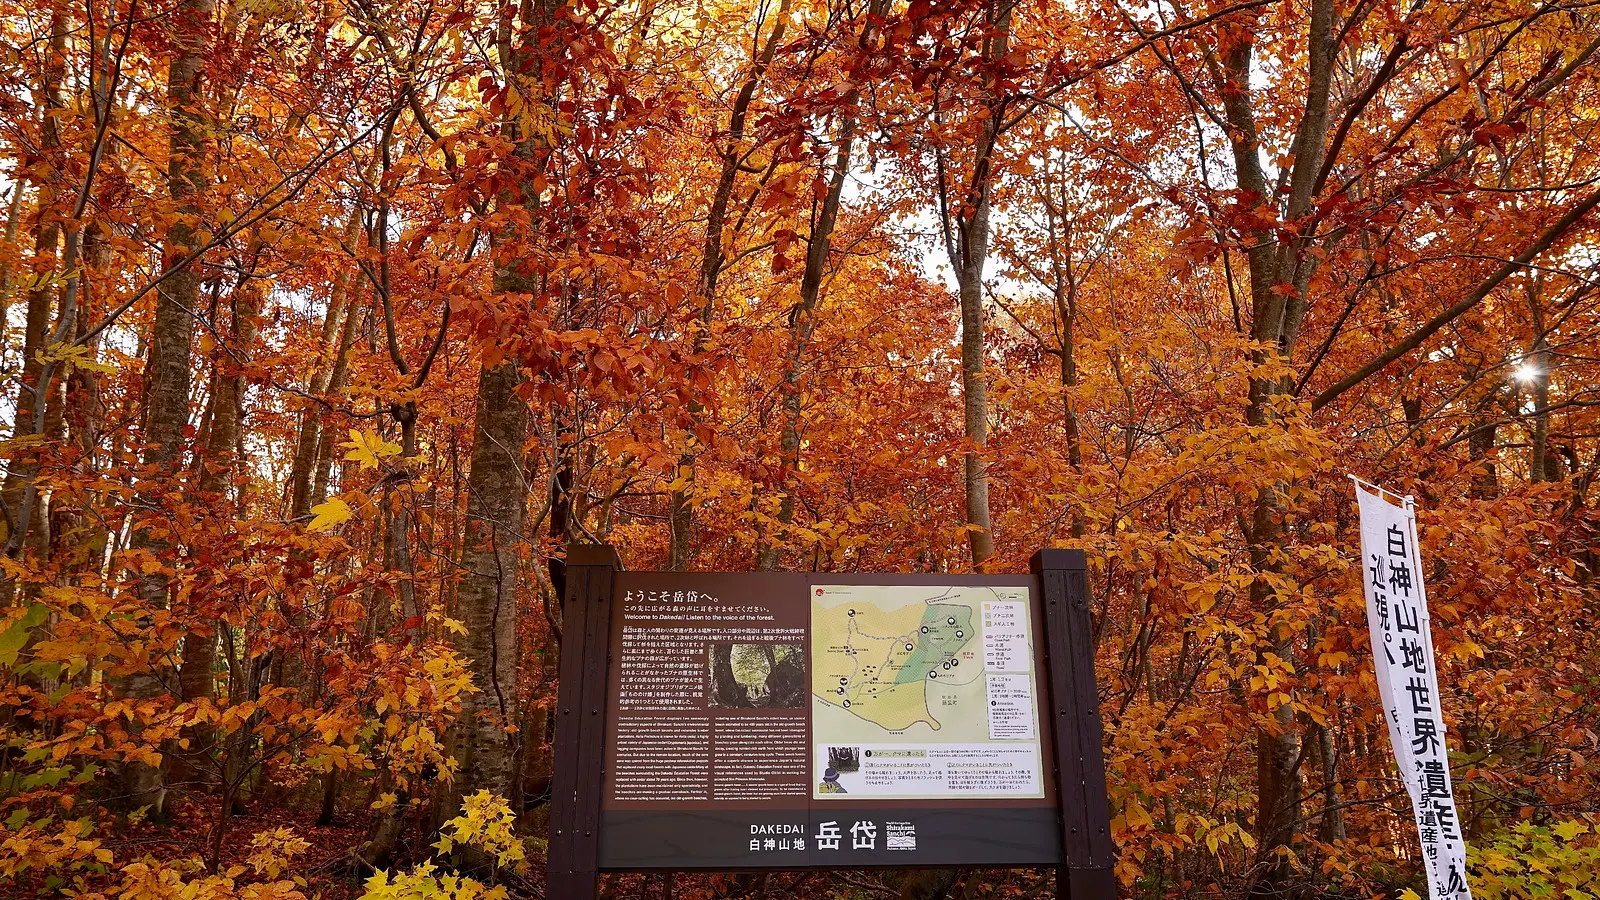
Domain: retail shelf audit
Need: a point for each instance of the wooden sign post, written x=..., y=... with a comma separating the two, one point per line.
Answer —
x=778, y=720
x=1086, y=849
x=580, y=725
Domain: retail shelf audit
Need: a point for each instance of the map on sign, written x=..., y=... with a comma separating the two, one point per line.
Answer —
x=923, y=691
x=881, y=657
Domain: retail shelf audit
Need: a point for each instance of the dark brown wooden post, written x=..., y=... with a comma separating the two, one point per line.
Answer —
x=1087, y=853
x=572, y=870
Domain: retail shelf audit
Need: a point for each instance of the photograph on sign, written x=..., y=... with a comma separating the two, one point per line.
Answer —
x=756, y=676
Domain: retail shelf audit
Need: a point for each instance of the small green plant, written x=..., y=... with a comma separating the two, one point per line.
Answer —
x=1531, y=862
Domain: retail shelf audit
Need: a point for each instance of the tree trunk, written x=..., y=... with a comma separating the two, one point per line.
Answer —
x=397, y=498
x=968, y=254
x=802, y=324
x=1537, y=368
x=680, y=511
x=87, y=534
x=41, y=293
x=726, y=691
x=975, y=413
x=307, y=441
x=483, y=739
x=218, y=463
x=167, y=368
x=13, y=225
x=562, y=507
x=337, y=380
x=486, y=600
x=1280, y=272
x=1064, y=286
x=1332, y=827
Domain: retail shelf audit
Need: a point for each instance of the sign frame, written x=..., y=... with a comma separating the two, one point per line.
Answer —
x=1069, y=702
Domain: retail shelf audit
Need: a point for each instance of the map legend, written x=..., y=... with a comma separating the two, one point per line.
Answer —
x=1005, y=637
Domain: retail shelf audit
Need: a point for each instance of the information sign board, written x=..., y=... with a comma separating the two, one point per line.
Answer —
x=760, y=719
x=791, y=720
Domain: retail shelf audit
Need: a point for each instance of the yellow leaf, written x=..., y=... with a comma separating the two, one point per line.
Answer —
x=1570, y=829
x=368, y=449
x=1136, y=816
x=455, y=625
x=329, y=514
x=22, y=442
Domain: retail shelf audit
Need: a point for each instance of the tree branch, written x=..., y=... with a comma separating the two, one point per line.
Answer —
x=1415, y=339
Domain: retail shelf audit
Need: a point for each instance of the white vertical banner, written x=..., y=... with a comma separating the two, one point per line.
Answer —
x=1408, y=683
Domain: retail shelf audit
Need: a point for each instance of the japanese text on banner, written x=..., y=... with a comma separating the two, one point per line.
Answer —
x=1408, y=683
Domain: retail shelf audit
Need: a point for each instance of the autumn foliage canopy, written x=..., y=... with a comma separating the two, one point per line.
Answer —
x=326, y=325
